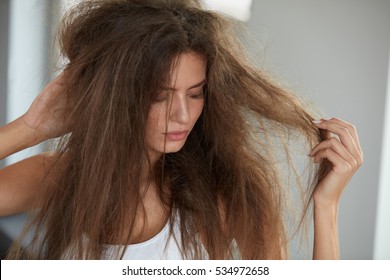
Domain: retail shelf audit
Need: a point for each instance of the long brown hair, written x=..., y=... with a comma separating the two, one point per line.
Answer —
x=223, y=184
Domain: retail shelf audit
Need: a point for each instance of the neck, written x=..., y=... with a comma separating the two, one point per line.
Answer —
x=146, y=180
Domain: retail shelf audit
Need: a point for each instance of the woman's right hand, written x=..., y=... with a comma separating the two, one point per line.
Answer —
x=47, y=117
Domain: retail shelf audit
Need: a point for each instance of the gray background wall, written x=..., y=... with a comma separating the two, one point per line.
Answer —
x=335, y=53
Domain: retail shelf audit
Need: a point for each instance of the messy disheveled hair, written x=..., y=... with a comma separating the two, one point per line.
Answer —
x=223, y=184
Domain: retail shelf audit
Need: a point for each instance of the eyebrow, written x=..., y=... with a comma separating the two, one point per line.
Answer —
x=201, y=83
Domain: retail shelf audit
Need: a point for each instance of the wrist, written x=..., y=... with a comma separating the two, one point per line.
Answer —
x=326, y=212
x=27, y=136
x=15, y=137
x=326, y=207
x=30, y=135
x=325, y=203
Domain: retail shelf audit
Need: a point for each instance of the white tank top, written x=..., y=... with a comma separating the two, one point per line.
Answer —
x=162, y=246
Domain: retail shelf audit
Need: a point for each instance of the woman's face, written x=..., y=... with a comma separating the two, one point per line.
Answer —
x=177, y=108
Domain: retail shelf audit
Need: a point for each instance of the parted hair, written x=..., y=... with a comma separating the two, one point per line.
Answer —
x=222, y=185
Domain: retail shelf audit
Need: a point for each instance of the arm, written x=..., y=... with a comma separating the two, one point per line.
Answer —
x=16, y=136
x=19, y=182
x=345, y=156
x=326, y=238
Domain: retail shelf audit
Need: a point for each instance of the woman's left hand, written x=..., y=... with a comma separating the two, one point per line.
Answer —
x=345, y=156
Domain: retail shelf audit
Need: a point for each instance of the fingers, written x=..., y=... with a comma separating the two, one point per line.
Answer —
x=351, y=128
x=54, y=89
x=60, y=79
x=340, y=165
x=342, y=149
x=347, y=135
x=335, y=152
x=335, y=145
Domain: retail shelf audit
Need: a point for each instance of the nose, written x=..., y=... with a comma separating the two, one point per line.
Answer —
x=180, y=109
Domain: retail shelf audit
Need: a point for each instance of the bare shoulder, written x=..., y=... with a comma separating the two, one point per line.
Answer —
x=21, y=182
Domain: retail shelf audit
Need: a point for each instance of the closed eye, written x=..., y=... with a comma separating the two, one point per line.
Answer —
x=199, y=95
x=163, y=96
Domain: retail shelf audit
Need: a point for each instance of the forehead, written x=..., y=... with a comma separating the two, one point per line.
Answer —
x=189, y=69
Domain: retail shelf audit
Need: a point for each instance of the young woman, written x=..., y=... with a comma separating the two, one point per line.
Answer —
x=167, y=144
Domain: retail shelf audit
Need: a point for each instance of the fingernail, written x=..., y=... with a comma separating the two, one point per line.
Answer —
x=327, y=119
x=316, y=121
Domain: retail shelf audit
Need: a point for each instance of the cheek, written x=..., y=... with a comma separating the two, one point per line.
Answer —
x=156, y=119
x=198, y=109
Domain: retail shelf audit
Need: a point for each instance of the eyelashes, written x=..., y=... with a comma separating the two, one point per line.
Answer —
x=166, y=96
x=160, y=98
x=199, y=95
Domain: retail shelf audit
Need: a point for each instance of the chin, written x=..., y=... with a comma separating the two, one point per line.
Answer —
x=170, y=147
x=173, y=148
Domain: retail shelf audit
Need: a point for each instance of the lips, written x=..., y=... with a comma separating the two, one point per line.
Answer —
x=176, y=135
